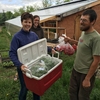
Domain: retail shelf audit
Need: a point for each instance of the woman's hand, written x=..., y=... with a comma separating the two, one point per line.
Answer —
x=53, y=51
x=23, y=68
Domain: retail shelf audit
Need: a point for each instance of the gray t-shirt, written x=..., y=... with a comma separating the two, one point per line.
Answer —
x=88, y=45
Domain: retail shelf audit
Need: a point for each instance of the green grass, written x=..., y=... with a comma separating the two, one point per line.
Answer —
x=58, y=91
x=9, y=88
x=4, y=40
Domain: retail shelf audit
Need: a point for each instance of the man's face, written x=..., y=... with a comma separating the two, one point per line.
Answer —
x=85, y=23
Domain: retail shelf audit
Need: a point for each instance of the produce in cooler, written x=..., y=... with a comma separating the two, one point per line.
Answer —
x=43, y=65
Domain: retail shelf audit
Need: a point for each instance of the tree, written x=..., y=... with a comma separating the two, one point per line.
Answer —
x=66, y=0
x=46, y=3
x=58, y=2
x=36, y=7
x=16, y=13
x=22, y=10
x=31, y=8
x=2, y=18
x=9, y=15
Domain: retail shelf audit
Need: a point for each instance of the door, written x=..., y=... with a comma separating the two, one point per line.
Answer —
x=77, y=27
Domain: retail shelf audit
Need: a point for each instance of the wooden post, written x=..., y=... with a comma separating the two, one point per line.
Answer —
x=65, y=31
x=48, y=33
x=56, y=27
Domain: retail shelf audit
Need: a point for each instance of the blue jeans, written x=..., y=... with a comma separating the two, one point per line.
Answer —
x=23, y=90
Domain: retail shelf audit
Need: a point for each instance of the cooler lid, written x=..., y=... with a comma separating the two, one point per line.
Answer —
x=32, y=51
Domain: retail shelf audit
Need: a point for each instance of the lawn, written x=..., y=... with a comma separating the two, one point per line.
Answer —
x=58, y=91
x=9, y=88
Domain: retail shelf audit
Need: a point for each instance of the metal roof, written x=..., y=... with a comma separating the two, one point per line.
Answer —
x=50, y=12
x=61, y=9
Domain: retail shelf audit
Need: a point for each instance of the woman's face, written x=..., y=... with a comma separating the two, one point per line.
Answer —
x=36, y=21
x=26, y=24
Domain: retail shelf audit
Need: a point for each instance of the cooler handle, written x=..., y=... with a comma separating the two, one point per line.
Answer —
x=29, y=73
x=56, y=53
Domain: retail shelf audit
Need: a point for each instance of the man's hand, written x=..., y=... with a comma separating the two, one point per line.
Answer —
x=86, y=83
x=71, y=41
x=67, y=39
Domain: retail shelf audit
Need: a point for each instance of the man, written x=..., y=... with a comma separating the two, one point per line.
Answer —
x=87, y=58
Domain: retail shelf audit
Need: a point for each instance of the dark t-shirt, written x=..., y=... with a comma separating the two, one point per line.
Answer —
x=38, y=31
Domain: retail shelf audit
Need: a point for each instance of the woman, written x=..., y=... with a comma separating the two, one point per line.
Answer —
x=21, y=38
x=38, y=30
x=36, y=27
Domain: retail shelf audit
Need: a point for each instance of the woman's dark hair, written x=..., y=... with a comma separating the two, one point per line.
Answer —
x=35, y=17
x=92, y=14
x=26, y=15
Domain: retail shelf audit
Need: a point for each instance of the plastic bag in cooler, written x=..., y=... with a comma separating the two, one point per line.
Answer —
x=43, y=65
x=39, y=68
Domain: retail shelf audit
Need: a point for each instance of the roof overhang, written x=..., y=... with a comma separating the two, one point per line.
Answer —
x=48, y=18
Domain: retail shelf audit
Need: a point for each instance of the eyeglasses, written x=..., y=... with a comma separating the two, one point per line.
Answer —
x=83, y=20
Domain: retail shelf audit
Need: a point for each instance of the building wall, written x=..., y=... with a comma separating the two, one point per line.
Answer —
x=69, y=22
x=97, y=24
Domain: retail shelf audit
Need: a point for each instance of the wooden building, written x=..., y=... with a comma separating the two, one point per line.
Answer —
x=61, y=19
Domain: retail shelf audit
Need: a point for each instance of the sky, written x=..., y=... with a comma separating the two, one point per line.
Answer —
x=11, y=5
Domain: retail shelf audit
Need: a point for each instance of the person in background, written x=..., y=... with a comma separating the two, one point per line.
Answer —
x=22, y=38
x=36, y=27
x=87, y=58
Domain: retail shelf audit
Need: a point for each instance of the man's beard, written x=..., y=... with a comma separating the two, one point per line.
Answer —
x=84, y=28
